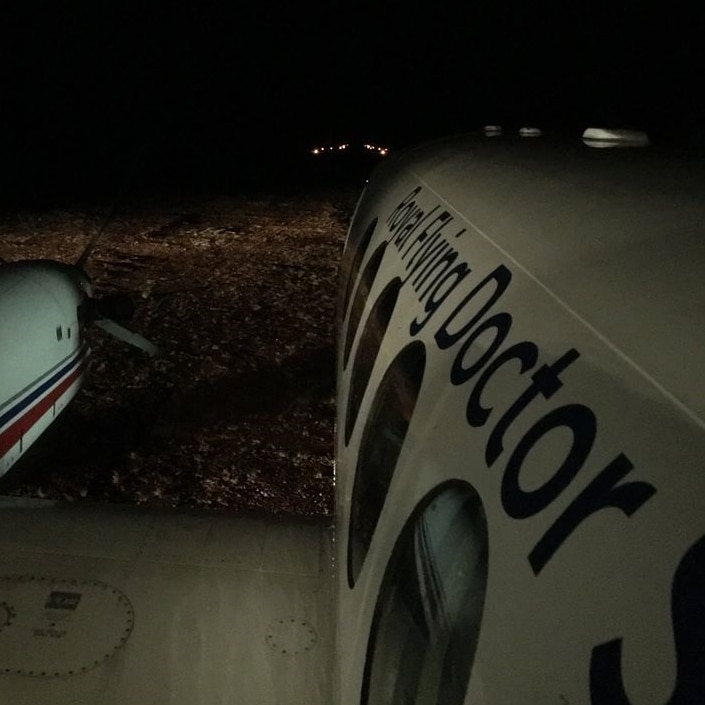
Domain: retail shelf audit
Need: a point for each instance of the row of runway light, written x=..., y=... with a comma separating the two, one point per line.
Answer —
x=382, y=151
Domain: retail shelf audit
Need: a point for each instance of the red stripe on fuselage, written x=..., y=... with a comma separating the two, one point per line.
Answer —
x=12, y=434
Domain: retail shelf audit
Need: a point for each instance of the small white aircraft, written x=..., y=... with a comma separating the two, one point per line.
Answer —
x=44, y=306
x=521, y=436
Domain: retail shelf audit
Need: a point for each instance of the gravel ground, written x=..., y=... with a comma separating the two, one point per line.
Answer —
x=238, y=411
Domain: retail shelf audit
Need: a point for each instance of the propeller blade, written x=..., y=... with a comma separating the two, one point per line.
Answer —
x=128, y=336
x=121, y=192
x=97, y=234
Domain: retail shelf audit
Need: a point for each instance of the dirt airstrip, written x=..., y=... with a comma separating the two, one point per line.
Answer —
x=239, y=292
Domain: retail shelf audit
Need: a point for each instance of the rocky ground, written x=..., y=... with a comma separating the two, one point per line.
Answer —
x=238, y=411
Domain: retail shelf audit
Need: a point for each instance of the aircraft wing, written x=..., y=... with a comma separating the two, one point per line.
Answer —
x=106, y=604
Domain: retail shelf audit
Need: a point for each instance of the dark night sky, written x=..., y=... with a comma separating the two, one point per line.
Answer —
x=189, y=84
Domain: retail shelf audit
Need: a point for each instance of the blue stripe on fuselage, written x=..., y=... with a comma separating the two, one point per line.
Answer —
x=74, y=360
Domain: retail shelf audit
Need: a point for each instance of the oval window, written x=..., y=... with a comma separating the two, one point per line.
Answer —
x=368, y=349
x=427, y=619
x=352, y=259
x=360, y=299
x=382, y=440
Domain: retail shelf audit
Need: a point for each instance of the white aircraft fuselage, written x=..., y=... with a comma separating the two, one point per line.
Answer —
x=43, y=354
x=522, y=427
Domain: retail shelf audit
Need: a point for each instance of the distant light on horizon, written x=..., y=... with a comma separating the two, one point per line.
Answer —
x=382, y=151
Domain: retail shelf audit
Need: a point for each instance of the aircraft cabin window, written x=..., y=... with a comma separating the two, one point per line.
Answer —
x=427, y=618
x=360, y=299
x=370, y=343
x=352, y=259
x=382, y=440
